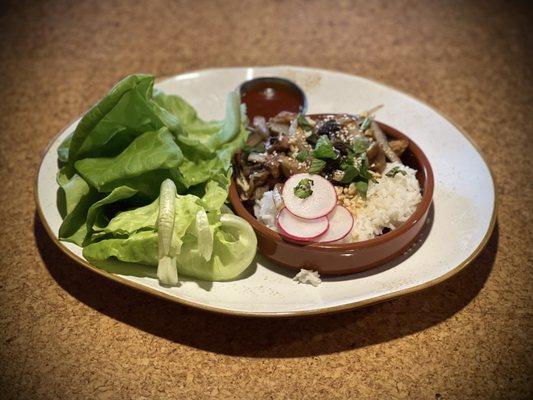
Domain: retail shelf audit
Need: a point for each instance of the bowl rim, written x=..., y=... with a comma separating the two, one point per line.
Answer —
x=421, y=210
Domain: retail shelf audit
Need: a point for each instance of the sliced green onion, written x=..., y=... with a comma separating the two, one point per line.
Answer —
x=366, y=123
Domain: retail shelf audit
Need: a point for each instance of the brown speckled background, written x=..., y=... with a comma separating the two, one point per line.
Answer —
x=67, y=333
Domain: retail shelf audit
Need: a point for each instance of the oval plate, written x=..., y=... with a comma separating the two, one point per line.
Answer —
x=462, y=220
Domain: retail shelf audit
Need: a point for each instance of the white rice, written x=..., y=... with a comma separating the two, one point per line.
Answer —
x=389, y=203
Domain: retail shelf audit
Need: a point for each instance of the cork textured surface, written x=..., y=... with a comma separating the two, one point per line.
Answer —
x=69, y=333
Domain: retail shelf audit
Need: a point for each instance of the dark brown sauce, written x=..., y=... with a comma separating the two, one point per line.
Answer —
x=267, y=97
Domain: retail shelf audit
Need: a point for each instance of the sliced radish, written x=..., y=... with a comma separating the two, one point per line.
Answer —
x=340, y=224
x=319, y=204
x=301, y=229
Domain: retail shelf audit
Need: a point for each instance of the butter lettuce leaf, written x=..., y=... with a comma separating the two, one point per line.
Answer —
x=207, y=146
x=127, y=222
x=139, y=247
x=75, y=197
x=198, y=168
x=132, y=237
x=108, y=127
x=178, y=107
x=96, y=216
x=150, y=156
x=112, y=167
x=215, y=196
x=234, y=248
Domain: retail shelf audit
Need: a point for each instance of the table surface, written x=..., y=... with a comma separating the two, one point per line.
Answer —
x=68, y=333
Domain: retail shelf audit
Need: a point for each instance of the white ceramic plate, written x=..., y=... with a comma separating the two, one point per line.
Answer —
x=463, y=211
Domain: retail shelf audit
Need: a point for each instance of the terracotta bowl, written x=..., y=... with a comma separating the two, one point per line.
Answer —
x=340, y=259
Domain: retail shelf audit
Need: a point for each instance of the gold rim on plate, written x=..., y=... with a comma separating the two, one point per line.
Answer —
x=327, y=310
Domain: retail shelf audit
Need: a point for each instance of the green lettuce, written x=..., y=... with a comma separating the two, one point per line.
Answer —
x=132, y=237
x=75, y=197
x=141, y=166
x=126, y=112
x=234, y=248
x=112, y=167
x=207, y=146
x=96, y=216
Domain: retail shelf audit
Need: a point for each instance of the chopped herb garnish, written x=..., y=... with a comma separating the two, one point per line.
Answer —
x=324, y=149
x=311, y=137
x=347, y=161
x=302, y=155
x=356, y=171
x=304, y=123
x=316, y=166
x=360, y=145
x=350, y=173
x=363, y=171
x=366, y=123
x=362, y=188
x=303, y=189
x=350, y=170
x=392, y=173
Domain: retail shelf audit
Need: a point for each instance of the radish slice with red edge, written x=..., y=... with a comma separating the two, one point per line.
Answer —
x=340, y=224
x=301, y=229
x=319, y=203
